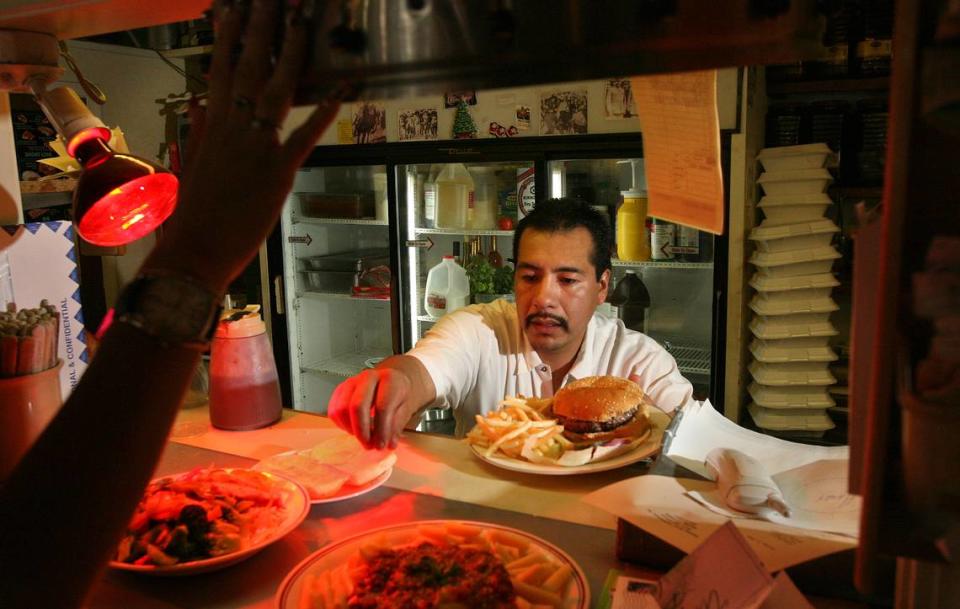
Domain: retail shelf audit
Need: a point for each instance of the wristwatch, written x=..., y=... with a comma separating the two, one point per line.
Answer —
x=175, y=309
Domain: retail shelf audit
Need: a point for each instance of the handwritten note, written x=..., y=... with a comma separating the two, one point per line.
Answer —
x=658, y=505
x=723, y=572
x=816, y=494
x=681, y=141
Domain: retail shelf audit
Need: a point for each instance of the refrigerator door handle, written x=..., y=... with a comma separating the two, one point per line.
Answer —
x=278, y=294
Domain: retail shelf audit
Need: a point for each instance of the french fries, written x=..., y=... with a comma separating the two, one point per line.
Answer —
x=540, y=581
x=517, y=422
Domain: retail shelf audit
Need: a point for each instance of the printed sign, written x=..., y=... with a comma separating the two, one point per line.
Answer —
x=42, y=258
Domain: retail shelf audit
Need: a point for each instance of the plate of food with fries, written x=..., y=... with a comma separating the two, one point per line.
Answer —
x=437, y=563
x=592, y=424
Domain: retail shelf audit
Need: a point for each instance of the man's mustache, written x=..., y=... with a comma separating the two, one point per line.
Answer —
x=546, y=317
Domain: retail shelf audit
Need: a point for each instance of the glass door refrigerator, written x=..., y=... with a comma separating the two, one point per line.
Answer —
x=337, y=320
x=332, y=293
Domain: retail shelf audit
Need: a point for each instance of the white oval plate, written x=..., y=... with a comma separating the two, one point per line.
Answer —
x=349, y=491
x=658, y=419
x=296, y=507
x=577, y=595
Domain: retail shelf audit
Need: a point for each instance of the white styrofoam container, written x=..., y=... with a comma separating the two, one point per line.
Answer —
x=799, y=262
x=804, y=156
x=771, y=284
x=792, y=303
x=795, y=181
x=792, y=326
x=790, y=397
x=790, y=209
x=793, y=373
x=788, y=297
x=815, y=422
x=790, y=237
x=772, y=352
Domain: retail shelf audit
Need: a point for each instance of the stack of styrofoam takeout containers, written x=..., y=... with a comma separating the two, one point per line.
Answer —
x=791, y=325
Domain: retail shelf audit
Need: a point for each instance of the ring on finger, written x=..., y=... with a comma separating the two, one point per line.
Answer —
x=242, y=101
x=264, y=123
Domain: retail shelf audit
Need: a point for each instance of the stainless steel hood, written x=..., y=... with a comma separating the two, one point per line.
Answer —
x=399, y=48
x=395, y=48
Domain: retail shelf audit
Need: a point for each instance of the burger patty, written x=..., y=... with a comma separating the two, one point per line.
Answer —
x=583, y=426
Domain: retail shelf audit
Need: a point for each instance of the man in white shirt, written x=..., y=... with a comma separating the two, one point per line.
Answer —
x=476, y=356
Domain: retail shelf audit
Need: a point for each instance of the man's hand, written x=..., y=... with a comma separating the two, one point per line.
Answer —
x=374, y=406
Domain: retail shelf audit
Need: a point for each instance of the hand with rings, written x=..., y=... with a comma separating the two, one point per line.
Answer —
x=238, y=170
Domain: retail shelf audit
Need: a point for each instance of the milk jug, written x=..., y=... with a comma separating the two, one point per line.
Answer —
x=633, y=242
x=454, y=196
x=447, y=288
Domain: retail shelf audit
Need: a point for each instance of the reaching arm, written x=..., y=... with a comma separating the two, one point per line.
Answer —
x=376, y=404
x=63, y=508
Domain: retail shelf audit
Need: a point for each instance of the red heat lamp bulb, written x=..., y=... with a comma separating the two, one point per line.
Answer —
x=119, y=197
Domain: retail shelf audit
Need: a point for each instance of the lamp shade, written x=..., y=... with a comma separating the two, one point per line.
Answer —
x=119, y=197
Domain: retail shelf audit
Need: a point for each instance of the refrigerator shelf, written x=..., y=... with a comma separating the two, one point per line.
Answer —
x=463, y=231
x=337, y=296
x=361, y=221
x=691, y=360
x=345, y=365
x=657, y=264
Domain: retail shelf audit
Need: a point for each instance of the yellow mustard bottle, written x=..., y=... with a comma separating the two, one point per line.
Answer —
x=633, y=239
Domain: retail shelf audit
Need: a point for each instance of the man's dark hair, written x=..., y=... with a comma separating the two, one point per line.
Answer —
x=566, y=214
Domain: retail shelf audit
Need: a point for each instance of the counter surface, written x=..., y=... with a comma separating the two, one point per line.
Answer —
x=435, y=478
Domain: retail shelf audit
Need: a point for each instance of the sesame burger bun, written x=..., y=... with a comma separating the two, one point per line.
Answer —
x=601, y=408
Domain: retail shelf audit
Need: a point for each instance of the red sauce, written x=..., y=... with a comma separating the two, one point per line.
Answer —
x=428, y=575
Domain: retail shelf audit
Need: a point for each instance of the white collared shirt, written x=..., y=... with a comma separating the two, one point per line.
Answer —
x=479, y=354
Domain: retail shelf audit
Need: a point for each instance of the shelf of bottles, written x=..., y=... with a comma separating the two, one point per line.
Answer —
x=660, y=264
x=474, y=232
x=355, y=221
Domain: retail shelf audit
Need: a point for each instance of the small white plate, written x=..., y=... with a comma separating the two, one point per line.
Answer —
x=349, y=491
x=576, y=596
x=296, y=504
x=658, y=420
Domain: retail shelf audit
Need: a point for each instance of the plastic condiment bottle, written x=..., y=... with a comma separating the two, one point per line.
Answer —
x=454, y=196
x=633, y=299
x=447, y=288
x=633, y=241
x=244, y=390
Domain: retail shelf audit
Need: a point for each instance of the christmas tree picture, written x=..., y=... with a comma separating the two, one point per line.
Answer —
x=463, y=125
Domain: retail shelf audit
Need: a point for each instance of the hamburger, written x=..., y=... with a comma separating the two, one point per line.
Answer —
x=598, y=409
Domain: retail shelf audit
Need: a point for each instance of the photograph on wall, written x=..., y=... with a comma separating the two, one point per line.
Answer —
x=369, y=123
x=618, y=99
x=523, y=118
x=418, y=124
x=452, y=99
x=563, y=113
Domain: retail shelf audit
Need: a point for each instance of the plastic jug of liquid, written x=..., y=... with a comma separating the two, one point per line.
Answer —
x=633, y=240
x=429, y=219
x=447, y=288
x=484, y=216
x=454, y=196
x=633, y=299
x=244, y=391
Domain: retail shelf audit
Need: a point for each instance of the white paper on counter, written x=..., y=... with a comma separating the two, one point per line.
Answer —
x=681, y=143
x=817, y=496
x=722, y=572
x=701, y=429
x=659, y=505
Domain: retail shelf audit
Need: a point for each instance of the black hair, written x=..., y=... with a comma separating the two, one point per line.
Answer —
x=566, y=214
